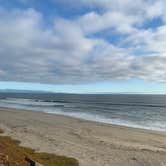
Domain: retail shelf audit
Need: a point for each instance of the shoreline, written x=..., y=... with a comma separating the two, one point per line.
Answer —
x=89, y=120
x=92, y=143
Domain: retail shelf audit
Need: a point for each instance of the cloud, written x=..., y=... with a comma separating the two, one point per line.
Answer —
x=151, y=68
x=65, y=51
x=31, y=52
x=93, y=22
x=149, y=40
x=145, y=8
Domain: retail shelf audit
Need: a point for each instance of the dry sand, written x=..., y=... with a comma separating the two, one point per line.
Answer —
x=93, y=144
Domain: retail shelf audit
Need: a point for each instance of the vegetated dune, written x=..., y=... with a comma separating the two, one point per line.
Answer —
x=16, y=154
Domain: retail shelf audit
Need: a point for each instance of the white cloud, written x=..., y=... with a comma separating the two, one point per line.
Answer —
x=156, y=10
x=149, y=40
x=71, y=37
x=93, y=22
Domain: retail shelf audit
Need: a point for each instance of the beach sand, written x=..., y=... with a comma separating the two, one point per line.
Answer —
x=93, y=144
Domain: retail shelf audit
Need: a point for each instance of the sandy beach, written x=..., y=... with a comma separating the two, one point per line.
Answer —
x=91, y=143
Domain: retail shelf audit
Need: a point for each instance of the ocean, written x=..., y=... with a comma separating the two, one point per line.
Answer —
x=138, y=111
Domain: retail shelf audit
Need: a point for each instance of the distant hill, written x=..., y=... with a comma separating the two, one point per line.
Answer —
x=21, y=91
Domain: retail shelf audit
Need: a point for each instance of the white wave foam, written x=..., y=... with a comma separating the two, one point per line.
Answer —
x=156, y=126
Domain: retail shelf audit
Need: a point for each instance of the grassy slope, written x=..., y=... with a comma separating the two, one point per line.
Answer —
x=17, y=154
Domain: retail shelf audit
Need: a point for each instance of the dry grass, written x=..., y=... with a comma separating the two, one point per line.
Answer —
x=17, y=154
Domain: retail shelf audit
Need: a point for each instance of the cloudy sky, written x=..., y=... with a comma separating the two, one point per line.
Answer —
x=83, y=45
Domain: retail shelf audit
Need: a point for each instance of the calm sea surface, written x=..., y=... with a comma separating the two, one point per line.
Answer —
x=141, y=111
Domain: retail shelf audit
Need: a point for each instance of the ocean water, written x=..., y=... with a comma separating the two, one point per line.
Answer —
x=140, y=111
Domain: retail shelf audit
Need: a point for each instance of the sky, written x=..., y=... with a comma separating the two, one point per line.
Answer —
x=83, y=46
